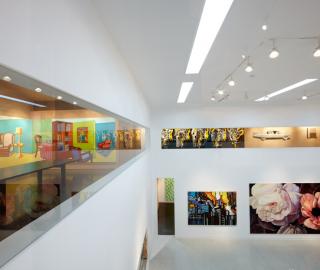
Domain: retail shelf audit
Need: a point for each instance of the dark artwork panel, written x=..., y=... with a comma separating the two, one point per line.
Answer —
x=212, y=208
x=184, y=138
x=285, y=208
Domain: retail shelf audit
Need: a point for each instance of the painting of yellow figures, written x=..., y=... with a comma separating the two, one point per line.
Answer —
x=212, y=208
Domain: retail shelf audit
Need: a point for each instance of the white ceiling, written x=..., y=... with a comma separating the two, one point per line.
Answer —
x=156, y=36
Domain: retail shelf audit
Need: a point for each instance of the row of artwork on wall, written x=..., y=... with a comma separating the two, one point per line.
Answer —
x=279, y=208
x=182, y=138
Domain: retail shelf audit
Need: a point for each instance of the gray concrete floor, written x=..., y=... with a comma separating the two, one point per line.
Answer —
x=199, y=254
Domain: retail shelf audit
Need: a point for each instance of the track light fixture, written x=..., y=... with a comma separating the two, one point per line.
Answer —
x=249, y=67
x=274, y=52
x=317, y=50
x=220, y=92
x=231, y=82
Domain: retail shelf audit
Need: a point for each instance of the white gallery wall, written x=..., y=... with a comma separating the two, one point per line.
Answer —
x=64, y=44
x=229, y=169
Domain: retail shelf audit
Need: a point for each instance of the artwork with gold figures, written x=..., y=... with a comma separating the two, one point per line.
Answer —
x=258, y=137
x=202, y=138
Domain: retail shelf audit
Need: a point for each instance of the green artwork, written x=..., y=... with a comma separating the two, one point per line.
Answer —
x=169, y=189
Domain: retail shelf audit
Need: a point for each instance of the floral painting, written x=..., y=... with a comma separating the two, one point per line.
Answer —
x=285, y=208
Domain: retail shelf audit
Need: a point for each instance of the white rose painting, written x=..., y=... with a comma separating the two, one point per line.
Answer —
x=281, y=208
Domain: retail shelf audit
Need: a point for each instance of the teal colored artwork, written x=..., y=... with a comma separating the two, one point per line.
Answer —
x=169, y=189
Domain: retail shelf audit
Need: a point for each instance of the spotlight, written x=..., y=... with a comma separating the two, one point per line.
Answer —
x=7, y=79
x=38, y=90
x=249, y=68
x=264, y=27
x=317, y=52
x=274, y=52
x=220, y=92
x=59, y=97
x=231, y=82
x=304, y=97
x=74, y=103
x=213, y=98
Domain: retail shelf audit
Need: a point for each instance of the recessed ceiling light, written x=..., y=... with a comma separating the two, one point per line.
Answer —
x=7, y=79
x=264, y=27
x=74, y=103
x=213, y=98
x=38, y=90
x=220, y=92
x=59, y=97
x=231, y=82
x=243, y=56
x=304, y=97
x=184, y=91
x=213, y=15
x=286, y=89
x=22, y=101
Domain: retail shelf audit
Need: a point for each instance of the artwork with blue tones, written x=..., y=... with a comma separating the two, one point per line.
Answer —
x=105, y=136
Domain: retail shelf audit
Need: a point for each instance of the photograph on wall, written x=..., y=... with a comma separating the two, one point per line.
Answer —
x=260, y=137
x=82, y=134
x=212, y=208
x=285, y=208
x=179, y=138
x=282, y=137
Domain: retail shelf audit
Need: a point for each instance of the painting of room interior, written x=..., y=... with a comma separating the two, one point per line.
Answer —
x=284, y=208
x=165, y=195
x=212, y=208
x=264, y=137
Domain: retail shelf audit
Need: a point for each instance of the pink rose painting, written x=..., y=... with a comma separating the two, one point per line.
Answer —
x=285, y=208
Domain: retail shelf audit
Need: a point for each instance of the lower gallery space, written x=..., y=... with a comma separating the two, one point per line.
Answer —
x=223, y=254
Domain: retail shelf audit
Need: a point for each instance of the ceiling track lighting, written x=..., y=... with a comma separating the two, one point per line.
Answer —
x=274, y=52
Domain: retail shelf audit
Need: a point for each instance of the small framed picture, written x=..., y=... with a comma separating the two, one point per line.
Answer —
x=312, y=133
